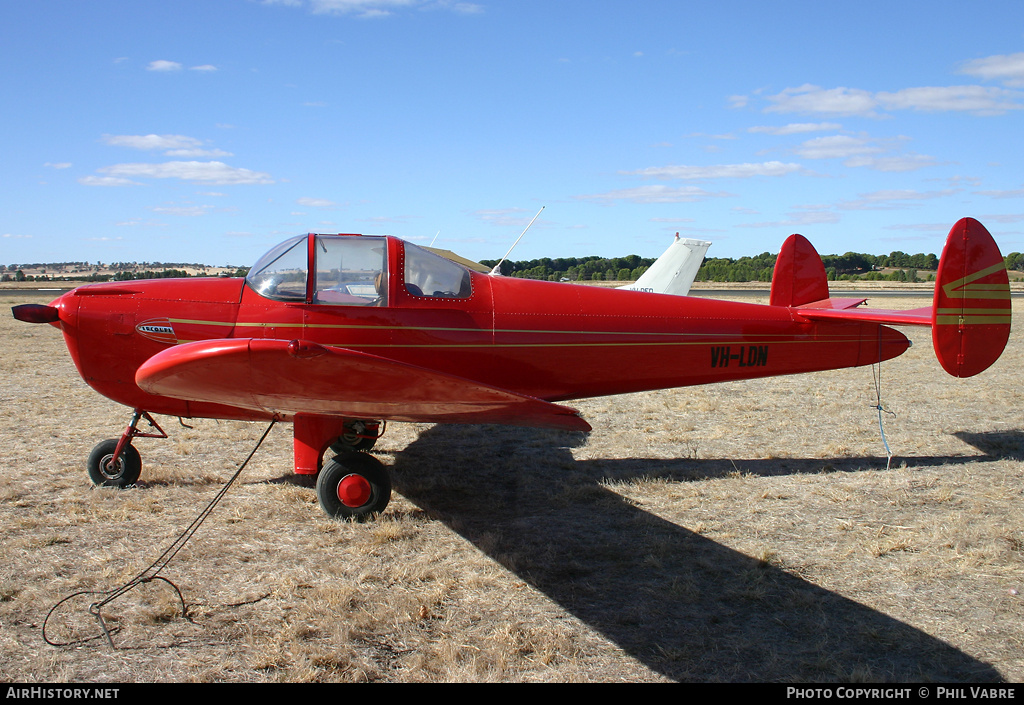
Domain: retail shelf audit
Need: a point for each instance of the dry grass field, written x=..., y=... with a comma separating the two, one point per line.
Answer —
x=738, y=532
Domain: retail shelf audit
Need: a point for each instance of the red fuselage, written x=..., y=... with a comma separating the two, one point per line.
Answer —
x=552, y=341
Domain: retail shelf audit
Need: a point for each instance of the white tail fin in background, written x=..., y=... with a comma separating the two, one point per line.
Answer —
x=674, y=271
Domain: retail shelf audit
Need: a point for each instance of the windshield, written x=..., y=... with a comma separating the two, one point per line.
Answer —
x=281, y=273
x=351, y=270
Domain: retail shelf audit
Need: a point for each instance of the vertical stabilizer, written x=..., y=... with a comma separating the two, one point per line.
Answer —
x=971, y=312
x=799, y=277
x=675, y=270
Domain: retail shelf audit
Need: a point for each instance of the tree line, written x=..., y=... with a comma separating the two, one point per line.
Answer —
x=849, y=266
x=574, y=269
x=125, y=273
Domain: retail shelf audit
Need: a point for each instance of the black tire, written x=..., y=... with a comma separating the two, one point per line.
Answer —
x=124, y=473
x=357, y=471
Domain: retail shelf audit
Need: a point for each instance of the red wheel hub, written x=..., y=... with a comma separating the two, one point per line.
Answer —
x=354, y=490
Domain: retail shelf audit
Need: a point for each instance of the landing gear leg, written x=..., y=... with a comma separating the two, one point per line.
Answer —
x=359, y=435
x=115, y=462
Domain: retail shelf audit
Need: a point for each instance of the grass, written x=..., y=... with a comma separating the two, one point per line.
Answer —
x=739, y=532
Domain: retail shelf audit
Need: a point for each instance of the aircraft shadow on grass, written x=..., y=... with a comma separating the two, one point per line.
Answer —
x=996, y=444
x=685, y=606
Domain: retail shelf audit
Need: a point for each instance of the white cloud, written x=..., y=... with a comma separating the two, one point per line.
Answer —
x=152, y=142
x=173, y=145
x=809, y=215
x=893, y=198
x=1002, y=218
x=861, y=152
x=814, y=99
x=504, y=217
x=717, y=171
x=139, y=223
x=204, y=68
x=836, y=147
x=657, y=193
x=185, y=211
x=163, y=65
x=317, y=203
x=961, y=180
x=975, y=99
x=203, y=172
x=196, y=153
x=379, y=220
x=1010, y=193
x=463, y=8
x=895, y=163
x=58, y=165
x=361, y=8
x=370, y=9
x=796, y=128
x=106, y=181
x=1008, y=68
x=811, y=99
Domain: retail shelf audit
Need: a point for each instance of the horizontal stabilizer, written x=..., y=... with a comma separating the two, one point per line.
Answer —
x=912, y=317
x=299, y=377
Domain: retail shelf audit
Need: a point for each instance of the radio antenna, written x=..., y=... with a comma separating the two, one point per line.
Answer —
x=497, y=268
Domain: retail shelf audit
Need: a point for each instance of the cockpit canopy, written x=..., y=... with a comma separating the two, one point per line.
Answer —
x=352, y=270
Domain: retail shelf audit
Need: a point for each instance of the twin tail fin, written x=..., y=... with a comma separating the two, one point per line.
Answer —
x=970, y=312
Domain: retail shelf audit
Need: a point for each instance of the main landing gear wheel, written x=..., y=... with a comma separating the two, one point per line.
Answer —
x=353, y=486
x=103, y=471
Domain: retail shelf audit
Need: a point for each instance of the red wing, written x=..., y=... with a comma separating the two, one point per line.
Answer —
x=292, y=377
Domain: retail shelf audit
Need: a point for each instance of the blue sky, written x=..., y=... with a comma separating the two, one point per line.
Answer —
x=208, y=130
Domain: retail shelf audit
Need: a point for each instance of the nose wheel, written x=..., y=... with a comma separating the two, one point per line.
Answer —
x=353, y=486
x=115, y=462
x=107, y=469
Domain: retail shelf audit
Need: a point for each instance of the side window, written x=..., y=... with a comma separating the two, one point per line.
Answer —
x=281, y=273
x=427, y=274
x=351, y=271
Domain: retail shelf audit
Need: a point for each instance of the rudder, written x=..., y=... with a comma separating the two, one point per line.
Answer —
x=799, y=277
x=971, y=311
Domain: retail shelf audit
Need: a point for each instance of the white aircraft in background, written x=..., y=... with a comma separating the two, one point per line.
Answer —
x=674, y=271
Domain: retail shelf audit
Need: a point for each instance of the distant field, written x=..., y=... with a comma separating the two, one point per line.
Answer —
x=747, y=531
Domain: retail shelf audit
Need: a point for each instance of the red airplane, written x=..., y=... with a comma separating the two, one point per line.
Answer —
x=340, y=333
